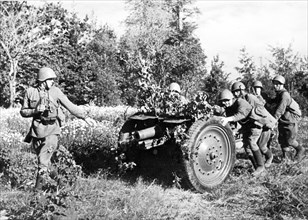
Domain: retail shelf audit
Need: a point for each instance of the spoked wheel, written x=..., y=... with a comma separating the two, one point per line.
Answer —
x=211, y=156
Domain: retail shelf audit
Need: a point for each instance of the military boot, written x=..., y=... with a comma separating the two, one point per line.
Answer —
x=53, y=173
x=259, y=162
x=251, y=158
x=40, y=182
x=287, y=155
x=300, y=153
x=253, y=161
x=268, y=158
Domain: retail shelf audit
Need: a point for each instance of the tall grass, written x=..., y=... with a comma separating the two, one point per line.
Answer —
x=98, y=193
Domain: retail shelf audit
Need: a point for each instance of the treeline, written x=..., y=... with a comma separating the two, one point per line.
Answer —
x=96, y=66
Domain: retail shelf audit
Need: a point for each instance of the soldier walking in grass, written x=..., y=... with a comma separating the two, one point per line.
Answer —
x=43, y=103
x=288, y=114
x=238, y=90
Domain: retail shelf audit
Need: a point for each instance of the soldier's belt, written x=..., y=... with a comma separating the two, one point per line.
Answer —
x=48, y=121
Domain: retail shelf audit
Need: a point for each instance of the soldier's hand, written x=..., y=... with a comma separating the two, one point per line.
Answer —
x=91, y=122
x=40, y=108
x=217, y=109
x=224, y=121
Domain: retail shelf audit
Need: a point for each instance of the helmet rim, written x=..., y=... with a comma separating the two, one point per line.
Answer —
x=280, y=79
x=237, y=86
x=45, y=73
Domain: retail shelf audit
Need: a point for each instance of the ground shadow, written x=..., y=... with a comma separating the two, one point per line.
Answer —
x=163, y=165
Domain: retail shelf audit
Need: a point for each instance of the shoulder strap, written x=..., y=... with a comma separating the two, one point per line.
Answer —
x=290, y=97
x=293, y=106
x=52, y=100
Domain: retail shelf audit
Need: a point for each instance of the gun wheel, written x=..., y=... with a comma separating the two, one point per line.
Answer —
x=211, y=154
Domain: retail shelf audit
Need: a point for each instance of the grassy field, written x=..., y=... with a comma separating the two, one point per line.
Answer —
x=105, y=189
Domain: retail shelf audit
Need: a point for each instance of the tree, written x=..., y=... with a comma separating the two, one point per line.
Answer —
x=264, y=75
x=216, y=80
x=247, y=68
x=157, y=50
x=82, y=55
x=286, y=64
x=20, y=32
x=295, y=70
x=107, y=69
x=140, y=47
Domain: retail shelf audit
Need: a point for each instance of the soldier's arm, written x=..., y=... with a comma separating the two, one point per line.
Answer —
x=262, y=100
x=253, y=100
x=218, y=110
x=26, y=111
x=282, y=106
x=75, y=110
x=243, y=111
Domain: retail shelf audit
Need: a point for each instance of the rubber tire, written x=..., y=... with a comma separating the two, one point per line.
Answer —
x=213, y=166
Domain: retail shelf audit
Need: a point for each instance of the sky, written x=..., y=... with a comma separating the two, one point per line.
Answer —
x=225, y=26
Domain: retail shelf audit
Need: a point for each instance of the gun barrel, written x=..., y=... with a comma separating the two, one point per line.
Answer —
x=147, y=133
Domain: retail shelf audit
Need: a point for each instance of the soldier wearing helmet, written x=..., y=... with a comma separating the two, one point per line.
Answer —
x=239, y=110
x=288, y=114
x=257, y=90
x=175, y=90
x=238, y=89
x=43, y=103
x=175, y=87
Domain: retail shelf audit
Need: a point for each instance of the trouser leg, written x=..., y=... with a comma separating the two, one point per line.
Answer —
x=250, y=156
x=263, y=144
x=44, y=147
x=287, y=139
x=250, y=138
x=259, y=161
x=253, y=141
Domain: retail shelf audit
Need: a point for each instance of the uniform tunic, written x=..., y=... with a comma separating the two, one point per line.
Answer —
x=287, y=121
x=261, y=99
x=266, y=133
x=240, y=112
x=45, y=127
x=39, y=127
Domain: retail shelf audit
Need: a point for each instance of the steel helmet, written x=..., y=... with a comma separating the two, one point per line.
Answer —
x=279, y=79
x=175, y=87
x=237, y=86
x=45, y=73
x=257, y=83
x=225, y=94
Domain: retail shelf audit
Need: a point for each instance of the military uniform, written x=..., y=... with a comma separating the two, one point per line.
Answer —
x=261, y=118
x=287, y=123
x=257, y=91
x=45, y=127
x=261, y=99
x=266, y=132
x=240, y=111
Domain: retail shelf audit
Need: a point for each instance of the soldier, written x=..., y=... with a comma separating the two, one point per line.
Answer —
x=175, y=90
x=257, y=90
x=42, y=103
x=288, y=114
x=238, y=89
x=239, y=110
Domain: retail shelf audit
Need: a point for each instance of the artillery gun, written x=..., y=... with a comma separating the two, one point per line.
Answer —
x=207, y=148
